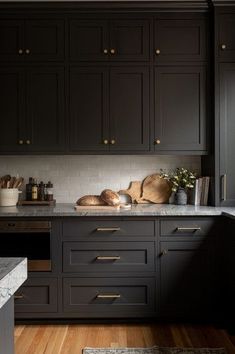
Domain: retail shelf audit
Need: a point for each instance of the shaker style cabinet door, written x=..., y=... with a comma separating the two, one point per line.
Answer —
x=12, y=110
x=45, y=109
x=226, y=37
x=44, y=40
x=179, y=40
x=227, y=134
x=11, y=40
x=129, y=40
x=88, y=109
x=88, y=40
x=180, y=109
x=129, y=108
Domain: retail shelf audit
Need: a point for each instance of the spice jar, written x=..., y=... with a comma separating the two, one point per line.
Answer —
x=49, y=191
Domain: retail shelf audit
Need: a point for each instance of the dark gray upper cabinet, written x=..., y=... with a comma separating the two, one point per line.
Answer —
x=31, y=40
x=180, y=108
x=226, y=37
x=179, y=40
x=88, y=108
x=101, y=40
x=227, y=134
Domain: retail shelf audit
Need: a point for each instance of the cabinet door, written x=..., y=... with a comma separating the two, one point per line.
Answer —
x=88, y=40
x=227, y=134
x=180, y=109
x=185, y=279
x=11, y=40
x=45, y=109
x=129, y=108
x=12, y=110
x=179, y=40
x=44, y=40
x=226, y=37
x=130, y=40
x=88, y=109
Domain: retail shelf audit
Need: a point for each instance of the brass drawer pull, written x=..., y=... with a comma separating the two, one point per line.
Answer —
x=108, y=258
x=18, y=297
x=105, y=229
x=108, y=296
x=164, y=253
x=188, y=229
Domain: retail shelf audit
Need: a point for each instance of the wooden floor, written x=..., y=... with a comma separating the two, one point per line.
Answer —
x=70, y=339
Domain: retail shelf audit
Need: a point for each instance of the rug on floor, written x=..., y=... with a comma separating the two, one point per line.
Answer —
x=154, y=350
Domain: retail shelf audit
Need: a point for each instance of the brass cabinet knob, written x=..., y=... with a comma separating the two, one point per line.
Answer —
x=112, y=51
x=20, y=51
x=112, y=142
x=21, y=142
x=28, y=142
x=105, y=51
x=223, y=46
x=157, y=141
x=157, y=51
x=27, y=51
x=164, y=252
x=105, y=141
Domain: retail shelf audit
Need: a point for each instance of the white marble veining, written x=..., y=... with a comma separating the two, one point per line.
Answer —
x=13, y=273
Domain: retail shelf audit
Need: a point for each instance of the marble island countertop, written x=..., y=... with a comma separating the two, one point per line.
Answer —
x=64, y=210
x=13, y=273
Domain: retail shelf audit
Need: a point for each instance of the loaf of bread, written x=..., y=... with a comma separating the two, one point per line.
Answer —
x=87, y=200
x=110, y=197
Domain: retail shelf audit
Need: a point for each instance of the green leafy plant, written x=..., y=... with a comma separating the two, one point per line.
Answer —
x=180, y=178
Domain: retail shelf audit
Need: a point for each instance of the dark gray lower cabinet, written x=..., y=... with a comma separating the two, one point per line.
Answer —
x=7, y=328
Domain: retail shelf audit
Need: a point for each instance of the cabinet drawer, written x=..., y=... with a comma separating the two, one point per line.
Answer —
x=37, y=295
x=109, y=297
x=187, y=227
x=108, y=256
x=107, y=229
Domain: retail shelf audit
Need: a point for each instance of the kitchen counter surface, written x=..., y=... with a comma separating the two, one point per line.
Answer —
x=63, y=210
x=13, y=272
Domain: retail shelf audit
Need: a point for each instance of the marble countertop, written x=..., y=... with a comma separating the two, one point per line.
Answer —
x=63, y=210
x=13, y=273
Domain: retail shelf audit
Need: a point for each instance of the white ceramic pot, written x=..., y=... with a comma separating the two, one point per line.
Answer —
x=9, y=196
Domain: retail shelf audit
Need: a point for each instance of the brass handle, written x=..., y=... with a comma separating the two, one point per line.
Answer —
x=112, y=142
x=188, y=229
x=223, y=47
x=112, y=51
x=27, y=51
x=164, y=252
x=104, y=229
x=105, y=51
x=157, y=141
x=17, y=297
x=108, y=258
x=21, y=142
x=157, y=51
x=224, y=188
x=28, y=142
x=20, y=51
x=105, y=141
x=108, y=296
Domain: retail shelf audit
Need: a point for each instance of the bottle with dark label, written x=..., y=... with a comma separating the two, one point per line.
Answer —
x=29, y=189
x=34, y=190
x=41, y=191
x=49, y=188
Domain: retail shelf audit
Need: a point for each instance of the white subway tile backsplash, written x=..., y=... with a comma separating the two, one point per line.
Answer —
x=74, y=176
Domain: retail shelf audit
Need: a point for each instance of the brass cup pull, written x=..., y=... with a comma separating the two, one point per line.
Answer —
x=108, y=296
x=105, y=142
x=18, y=297
x=157, y=141
x=20, y=51
x=112, y=142
x=108, y=258
x=112, y=51
x=21, y=142
x=28, y=142
x=164, y=252
x=157, y=51
x=223, y=47
x=27, y=51
x=108, y=229
x=194, y=229
x=105, y=51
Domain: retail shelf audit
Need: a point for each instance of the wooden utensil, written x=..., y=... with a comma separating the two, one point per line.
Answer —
x=134, y=192
x=156, y=189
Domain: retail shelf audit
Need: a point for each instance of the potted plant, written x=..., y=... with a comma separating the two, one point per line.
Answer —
x=182, y=180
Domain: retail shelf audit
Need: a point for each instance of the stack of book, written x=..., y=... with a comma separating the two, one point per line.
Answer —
x=200, y=192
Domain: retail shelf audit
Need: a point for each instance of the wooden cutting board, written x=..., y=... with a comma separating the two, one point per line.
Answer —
x=156, y=190
x=96, y=207
x=134, y=192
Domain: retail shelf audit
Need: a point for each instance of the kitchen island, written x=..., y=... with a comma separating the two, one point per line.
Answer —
x=13, y=273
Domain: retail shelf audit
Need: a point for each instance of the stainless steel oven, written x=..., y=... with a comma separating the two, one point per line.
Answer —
x=31, y=239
